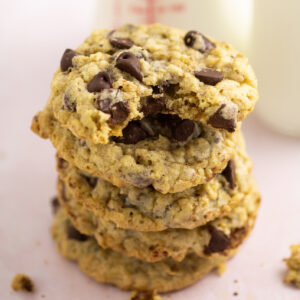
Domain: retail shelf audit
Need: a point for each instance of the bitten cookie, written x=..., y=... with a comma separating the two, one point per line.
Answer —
x=119, y=76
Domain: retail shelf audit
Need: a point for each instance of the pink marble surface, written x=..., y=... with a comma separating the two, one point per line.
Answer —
x=30, y=51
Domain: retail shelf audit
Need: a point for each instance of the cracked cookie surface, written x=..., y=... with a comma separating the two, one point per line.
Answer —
x=148, y=210
x=112, y=77
x=105, y=265
x=217, y=238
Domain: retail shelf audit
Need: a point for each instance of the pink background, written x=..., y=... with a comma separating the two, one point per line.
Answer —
x=33, y=37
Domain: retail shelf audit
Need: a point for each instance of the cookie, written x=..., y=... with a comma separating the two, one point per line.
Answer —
x=105, y=265
x=217, y=238
x=148, y=210
x=293, y=265
x=119, y=76
x=166, y=165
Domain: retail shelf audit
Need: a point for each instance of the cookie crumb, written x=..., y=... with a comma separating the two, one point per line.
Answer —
x=221, y=269
x=22, y=282
x=235, y=281
x=293, y=264
x=136, y=295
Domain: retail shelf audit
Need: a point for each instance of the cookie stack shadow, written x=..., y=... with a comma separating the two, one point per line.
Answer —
x=160, y=206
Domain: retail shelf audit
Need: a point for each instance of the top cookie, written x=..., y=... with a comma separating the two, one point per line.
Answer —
x=119, y=76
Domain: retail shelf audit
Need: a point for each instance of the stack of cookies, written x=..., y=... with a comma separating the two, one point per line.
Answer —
x=155, y=186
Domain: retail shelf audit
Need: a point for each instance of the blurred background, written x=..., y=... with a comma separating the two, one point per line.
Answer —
x=33, y=36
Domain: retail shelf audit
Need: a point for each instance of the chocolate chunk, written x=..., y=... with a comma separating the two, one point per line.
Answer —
x=66, y=60
x=55, y=205
x=69, y=105
x=183, y=130
x=92, y=181
x=220, y=120
x=100, y=81
x=209, y=76
x=119, y=113
x=129, y=63
x=103, y=105
x=159, y=89
x=74, y=234
x=219, y=241
x=153, y=106
x=229, y=173
x=120, y=43
x=61, y=163
x=132, y=134
x=198, y=41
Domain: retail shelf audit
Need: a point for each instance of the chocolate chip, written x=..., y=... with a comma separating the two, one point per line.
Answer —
x=100, y=81
x=74, y=234
x=103, y=105
x=153, y=106
x=183, y=130
x=132, y=134
x=66, y=60
x=119, y=113
x=220, y=120
x=198, y=41
x=229, y=173
x=61, y=163
x=159, y=89
x=69, y=105
x=219, y=241
x=92, y=181
x=55, y=205
x=209, y=76
x=121, y=43
x=129, y=63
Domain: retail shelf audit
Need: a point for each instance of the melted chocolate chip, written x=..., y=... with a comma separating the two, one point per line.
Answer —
x=66, y=60
x=132, y=133
x=120, y=43
x=209, y=76
x=103, y=105
x=100, y=81
x=159, y=89
x=229, y=173
x=92, y=181
x=129, y=63
x=198, y=41
x=69, y=105
x=217, y=120
x=61, y=163
x=183, y=130
x=74, y=234
x=153, y=106
x=119, y=113
x=219, y=241
x=55, y=205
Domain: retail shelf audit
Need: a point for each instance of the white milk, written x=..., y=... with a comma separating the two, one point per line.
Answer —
x=275, y=55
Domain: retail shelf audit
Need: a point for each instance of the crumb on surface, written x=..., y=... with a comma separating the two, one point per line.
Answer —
x=235, y=294
x=22, y=282
x=293, y=264
x=221, y=269
x=135, y=295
